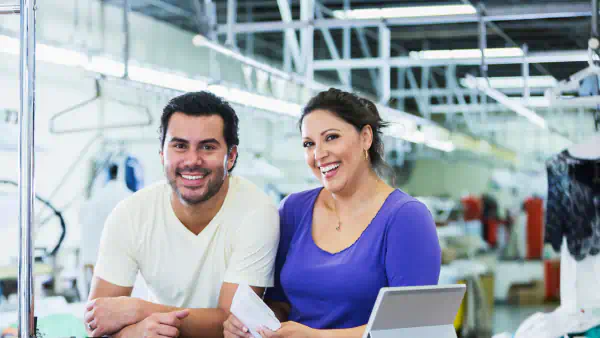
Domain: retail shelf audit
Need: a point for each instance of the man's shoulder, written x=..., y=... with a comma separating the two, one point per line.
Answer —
x=248, y=194
x=146, y=197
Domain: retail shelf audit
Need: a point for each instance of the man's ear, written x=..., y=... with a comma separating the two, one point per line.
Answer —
x=162, y=157
x=233, y=154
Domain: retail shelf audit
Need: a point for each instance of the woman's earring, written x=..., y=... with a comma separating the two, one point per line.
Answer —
x=366, y=155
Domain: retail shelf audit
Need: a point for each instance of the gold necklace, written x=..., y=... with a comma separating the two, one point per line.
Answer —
x=339, y=221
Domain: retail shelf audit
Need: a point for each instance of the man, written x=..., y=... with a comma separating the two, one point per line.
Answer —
x=193, y=238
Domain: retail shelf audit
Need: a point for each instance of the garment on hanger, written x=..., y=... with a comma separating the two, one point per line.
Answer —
x=573, y=206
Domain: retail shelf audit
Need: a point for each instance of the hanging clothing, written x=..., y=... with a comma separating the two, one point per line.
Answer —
x=573, y=206
x=534, y=206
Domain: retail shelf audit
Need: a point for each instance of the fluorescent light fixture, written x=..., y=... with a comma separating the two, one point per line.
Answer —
x=510, y=103
x=202, y=41
x=404, y=12
x=445, y=146
x=513, y=82
x=465, y=53
x=256, y=101
x=106, y=66
x=163, y=79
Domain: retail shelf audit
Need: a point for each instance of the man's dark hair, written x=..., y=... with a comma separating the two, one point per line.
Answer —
x=203, y=104
x=112, y=171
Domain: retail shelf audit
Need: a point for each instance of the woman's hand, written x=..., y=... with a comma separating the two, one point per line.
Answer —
x=233, y=328
x=290, y=330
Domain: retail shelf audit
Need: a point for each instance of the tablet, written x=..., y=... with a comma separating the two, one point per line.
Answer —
x=419, y=311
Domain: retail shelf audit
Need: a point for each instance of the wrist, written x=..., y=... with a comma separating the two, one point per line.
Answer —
x=322, y=333
x=137, y=311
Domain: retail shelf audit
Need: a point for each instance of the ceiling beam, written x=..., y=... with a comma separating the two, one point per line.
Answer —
x=504, y=13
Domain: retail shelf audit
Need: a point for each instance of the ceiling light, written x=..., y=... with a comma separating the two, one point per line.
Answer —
x=508, y=102
x=465, y=53
x=404, y=12
x=513, y=82
x=445, y=146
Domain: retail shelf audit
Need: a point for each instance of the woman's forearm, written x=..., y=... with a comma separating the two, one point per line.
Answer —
x=355, y=332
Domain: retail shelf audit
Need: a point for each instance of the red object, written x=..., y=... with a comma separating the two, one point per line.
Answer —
x=473, y=208
x=534, y=207
x=492, y=232
x=552, y=279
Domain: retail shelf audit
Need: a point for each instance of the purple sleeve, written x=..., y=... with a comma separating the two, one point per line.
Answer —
x=287, y=227
x=413, y=256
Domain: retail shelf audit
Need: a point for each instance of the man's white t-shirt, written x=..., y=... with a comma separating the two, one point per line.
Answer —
x=181, y=269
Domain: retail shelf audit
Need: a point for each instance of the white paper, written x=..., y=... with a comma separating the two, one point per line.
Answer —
x=252, y=311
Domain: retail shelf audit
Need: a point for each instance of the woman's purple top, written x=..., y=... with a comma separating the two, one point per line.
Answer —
x=333, y=291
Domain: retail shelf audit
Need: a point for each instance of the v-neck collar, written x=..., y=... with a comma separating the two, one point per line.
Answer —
x=210, y=227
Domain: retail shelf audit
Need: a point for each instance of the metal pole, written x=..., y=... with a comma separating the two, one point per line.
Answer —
x=347, y=52
x=384, y=71
x=126, y=38
x=595, y=18
x=307, y=14
x=26, y=169
x=231, y=20
x=10, y=9
x=249, y=36
x=483, y=47
x=525, y=71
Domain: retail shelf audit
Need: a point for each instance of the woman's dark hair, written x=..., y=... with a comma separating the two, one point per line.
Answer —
x=359, y=112
x=203, y=104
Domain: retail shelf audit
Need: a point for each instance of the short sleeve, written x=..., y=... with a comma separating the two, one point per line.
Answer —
x=287, y=226
x=255, y=248
x=413, y=255
x=117, y=263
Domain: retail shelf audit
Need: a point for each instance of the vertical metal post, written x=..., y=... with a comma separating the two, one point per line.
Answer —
x=384, y=70
x=126, y=43
x=483, y=47
x=307, y=14
x=231, y=19
x=595, y=18
x=525, y=71
x=401, y=72
x=26, y=168
x=347, y=44
x=426, y=97
x=249, y=36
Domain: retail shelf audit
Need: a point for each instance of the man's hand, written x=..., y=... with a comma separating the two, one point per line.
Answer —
x=158, y=325
x=104, y=316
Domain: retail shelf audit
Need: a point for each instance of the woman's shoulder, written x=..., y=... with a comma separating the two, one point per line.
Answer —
x=300, y=199
x=402, y=206
x=398, y=200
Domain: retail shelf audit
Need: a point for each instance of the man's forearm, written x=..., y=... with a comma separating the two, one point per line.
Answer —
x=199, y=323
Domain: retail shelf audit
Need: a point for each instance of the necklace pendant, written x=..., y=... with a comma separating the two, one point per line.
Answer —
x=338, y=226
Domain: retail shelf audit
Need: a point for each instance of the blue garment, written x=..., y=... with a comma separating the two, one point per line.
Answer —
x=334, y=291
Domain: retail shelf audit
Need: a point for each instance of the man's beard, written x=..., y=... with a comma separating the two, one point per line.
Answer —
x=213, y=185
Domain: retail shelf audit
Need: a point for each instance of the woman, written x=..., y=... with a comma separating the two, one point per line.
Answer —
x=343, y=242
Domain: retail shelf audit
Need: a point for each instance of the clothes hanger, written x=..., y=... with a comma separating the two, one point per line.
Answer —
x=98, y=94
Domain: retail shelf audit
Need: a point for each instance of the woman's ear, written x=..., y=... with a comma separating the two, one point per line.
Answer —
x=366, y=136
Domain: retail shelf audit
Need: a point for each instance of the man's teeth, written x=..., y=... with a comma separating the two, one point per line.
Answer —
x=190, y=177
x=329, y=168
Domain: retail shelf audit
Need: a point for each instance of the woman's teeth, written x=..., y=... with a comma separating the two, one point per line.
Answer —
x=329, y=168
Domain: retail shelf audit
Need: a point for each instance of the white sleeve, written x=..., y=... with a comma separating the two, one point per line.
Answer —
x=117, y=263
x=255, y=248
